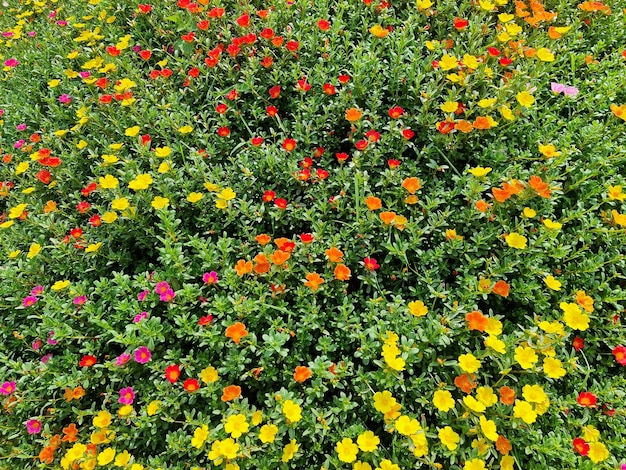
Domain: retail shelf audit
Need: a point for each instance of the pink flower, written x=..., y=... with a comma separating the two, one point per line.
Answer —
x=210, y=278
x=370, y=264
x=142, y=355
x=80, y=300
x=122, y=359
x=19, y=144
x=36, y=290
x=565, y=89
x=7, y=388
x=140, y=317
x=65, y=98
x=161, y=287
x=46, y=358
x=12, y=62
x=167, y=296
x=29, y=301
x=51, y=340
x=37, y=344
x=21, y=127
x=127, y=396
x=33, y=426
x=142, y=295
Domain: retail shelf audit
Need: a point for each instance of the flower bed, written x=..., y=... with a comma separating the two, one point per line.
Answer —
x=293, y=234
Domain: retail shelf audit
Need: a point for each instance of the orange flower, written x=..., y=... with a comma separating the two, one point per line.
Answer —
x=540, y=186
x=476, y=320
x=503, y=445
x=236, y=331
x=482, y=206
x=464, y=126
x=466, y=382
x=507, y=395
x=49, y=207
x=47, y=455
x=75, y=394
x=285, y=244
x=591, y=6
x=482, y=122
x=243, y=267
x=387, y=217
x=263, y=239
x=262, y=264
x=373, y=203
x=70, y=433
x=334, y=255
x=302, y=373
x=411, y=184
x=231, y=392
x=314, y=280
x=619, y=111
x=501, y=288
x=279, y=257
x=500, y=195
x=353, y=114
x=342, y=272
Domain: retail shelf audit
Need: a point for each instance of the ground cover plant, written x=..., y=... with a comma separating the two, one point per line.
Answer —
x=312, y=234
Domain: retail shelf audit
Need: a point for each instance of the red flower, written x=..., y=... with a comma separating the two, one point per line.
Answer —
x=372, y=135
x=321, y=173
x=460, y=24
x=145, y=139
x=223, y=131
x=581, y=446
x=95, y=221
x=101, y=83
x=44, y=176
x=304, y=175
x=189, y=37
x=620, y=354
x=306, y=238
x=268, y=196
x=319, y=151
x=83, y=207
x=113, y=51
x=233, y=50
x=302, y=85
x=324, y=25
x=343, y=79
x=361, y=144
x=216, y=12
x=445, y=127
x=267, y=33
x=329, y=89
x=370, y=263
x=408, y=134
x=205, y=320
x=191, y=385
x=493, y=52
x=504, y=61
x=243, y=20
x=393, y=163
x=221, y=108
x=289, y=144
x=76, y=232
x=145, y=55
x=293, y=46
x=342, y=157
x=267, y=62
x=586, y=399
x=166, y=73
x=271, y=111
x=578, y=343
x=396, y=112
x=203, y=25
x=274, y=92
x=281, y=203
x=232, y=95
x=50, y=161
x=172, y=373
x=256, y=141
x=88, y=361
x=144, y=8
x=194, y=72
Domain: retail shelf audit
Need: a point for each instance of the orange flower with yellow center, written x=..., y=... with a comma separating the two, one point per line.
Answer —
x=236, y=331
x=353, y=114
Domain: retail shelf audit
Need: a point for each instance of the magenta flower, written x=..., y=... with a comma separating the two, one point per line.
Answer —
x=7, y=388
x=161, y=287
x=80, y=300
x=12, y=62
x=33, y=426
x=142, y=355
x=62, y=23
x=210, y=278
x=46, y=358
x=122, y=359
x=36, y=290
x=84, y=74
x=37, y=344
x=167, y=296
x=29, y=301
x=142, y=295
x=127, y=396
x=65, y=98
x=19, y=144
x=51, y=340
x=21, y=127
x=140, y=317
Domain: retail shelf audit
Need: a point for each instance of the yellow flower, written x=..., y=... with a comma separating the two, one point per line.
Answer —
x=236, y=425
x=34, y=250
x=164, y=167
x=507, y=463
x=257, y=417
x=524, y=411
x=386, y=464
x=384, y=401
x=120, y=204
x=529, y=213
x=470, y=61
x=290, y=451
x=347, y=450
x=449, y=106
x=122, y=459
x=396, y=363
x=443, y=401
x=615, y=193
x=545, y=55
x=486, y=396
x=368, y=441
x=162, y=152
x=125, y=410
x=552, y=283
x=526, y=356
x=506, y=113
x=407, y=426
x=153, y=407
x=468, y=363
x=487, y=102
x=194, y=197
x=619, y=219
x=110, y=159
x=479, y=171
x=132, y=131
x=525, y=99
x=515, y=240
x=108, y=182
x=160, y=202
x=21, y=168
x=590, y=433
x=60, y=285
x=185, y=129
x=574, y=317
x=14, y=254
x=496, y=344
x=488, y=428
x=534, y=393
x=7, y=224
x=268, y=433
x=109, y=217
x=292, y=411
x=449, y=438
x=378, y=31
x=552, y=225
x=552, y=327
x=553, y=368
x=226, y=194
x=358, y=465
x=81, y=144
x=494, y=326
x=102, y=419
x=141, y=181
x=209, y=375
x=473, y=404
x=505, y=17
x=474, y=464
x=61, y=132
x=424, y=4
x=17, y=211
x=106, y=456
x=417, y=308
x=200, y=435
x=221, y=204
x=549, y=151
x=597, y=452
x=448, y=62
